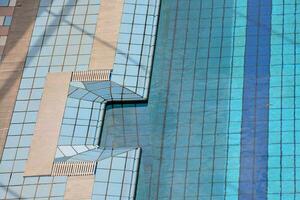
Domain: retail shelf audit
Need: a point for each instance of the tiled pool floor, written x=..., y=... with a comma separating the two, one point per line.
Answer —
x=190, y=129
x=222, y=117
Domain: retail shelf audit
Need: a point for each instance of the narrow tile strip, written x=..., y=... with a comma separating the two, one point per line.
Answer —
x=254, y=137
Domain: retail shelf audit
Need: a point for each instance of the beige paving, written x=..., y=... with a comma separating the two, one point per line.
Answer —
x=46, y=134
x=3, y=30
x=13, y=58
x=79, y=188
x=6, y=10
x=106, y=36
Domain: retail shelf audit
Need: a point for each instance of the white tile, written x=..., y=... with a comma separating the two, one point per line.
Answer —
x=3, y=40
x=67, y=150
x=1, y=20
x=12, y=2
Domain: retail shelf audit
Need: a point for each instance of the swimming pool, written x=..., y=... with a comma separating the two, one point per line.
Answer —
x=191, y=127
x=221, y=120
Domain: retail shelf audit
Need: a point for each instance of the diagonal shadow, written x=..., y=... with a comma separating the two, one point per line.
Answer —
x=16, y=77
x=100, y=40
x=9, y=191
x=13, y=78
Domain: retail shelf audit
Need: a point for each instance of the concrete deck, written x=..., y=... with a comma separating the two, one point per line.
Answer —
x=107, y=33
x=45, y=138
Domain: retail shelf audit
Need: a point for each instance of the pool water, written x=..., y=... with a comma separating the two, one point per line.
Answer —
x=190, y=128
x=221, y=120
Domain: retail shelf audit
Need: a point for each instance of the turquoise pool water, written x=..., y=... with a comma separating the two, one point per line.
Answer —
x=223, y=112
x=222, y=118
x=190, y=128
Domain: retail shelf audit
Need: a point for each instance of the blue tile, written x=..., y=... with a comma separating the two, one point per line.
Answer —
x=256, y=85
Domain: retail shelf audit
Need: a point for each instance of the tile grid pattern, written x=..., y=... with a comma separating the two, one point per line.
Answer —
x=61, y=41
x=80, y=117
x=116, y=176
x=235, y=107
x=254, y=138
x=141, y=35
x=180, y=151
x=85, y=108
x=59, y=44
x=284, y=140
x=66, y=151
x=215, y=72
x=283, y=144
x=135, y=45
x=5, y=22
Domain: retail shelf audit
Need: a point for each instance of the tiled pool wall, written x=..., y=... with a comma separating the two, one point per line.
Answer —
x=131, y=71
x=283, y=148
x=115, y=176
x=190, y=129
x=135, y=47
x=61, y=41
x=254, y=136
x=80, y=117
